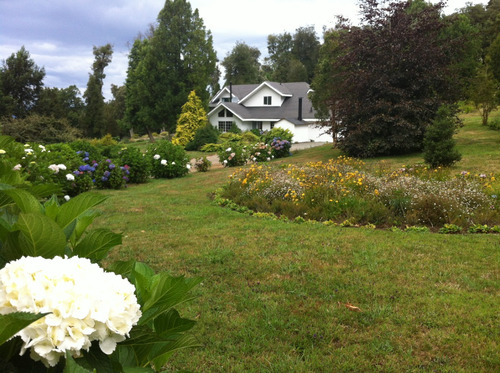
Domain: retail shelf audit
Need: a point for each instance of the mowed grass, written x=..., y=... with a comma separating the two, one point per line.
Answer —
x=274, y=294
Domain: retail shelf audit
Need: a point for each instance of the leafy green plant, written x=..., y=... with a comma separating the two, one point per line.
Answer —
x=49, y=230
x=450, y=229
x=202, y=164
x=109, y=175
x=479, y=228
x=207, y=134
x=168, y=160
x=277, y=132
x=232, y=156
x=139, y=165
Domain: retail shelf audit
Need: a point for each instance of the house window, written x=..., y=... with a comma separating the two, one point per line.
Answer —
x=225, y=126
x=267, y=100
x=225, y=113
x=226, y=99
x=257, y=126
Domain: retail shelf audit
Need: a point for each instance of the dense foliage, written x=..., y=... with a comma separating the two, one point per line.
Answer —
x=391, y=75
x=163, y=69
x=193, y=117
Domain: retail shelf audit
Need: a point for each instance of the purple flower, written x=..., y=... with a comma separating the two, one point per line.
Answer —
x=104, y=178
x=111, y=166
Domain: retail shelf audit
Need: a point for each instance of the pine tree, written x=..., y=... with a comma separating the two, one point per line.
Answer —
x=439, y=146
x=193, y=116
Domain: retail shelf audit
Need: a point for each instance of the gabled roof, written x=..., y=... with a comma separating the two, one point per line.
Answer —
x=288, y=110
x=279, y=88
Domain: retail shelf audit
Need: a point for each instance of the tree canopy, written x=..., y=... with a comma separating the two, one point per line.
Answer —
x=242, y=65
x=390, y=75
x=21, y=82
x=163, y=69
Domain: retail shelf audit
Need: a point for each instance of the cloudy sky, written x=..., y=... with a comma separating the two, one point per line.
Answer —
x=60, y=34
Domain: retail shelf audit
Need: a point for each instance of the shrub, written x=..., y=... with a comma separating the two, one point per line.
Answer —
x=210, y=148
x=205, y=135
x=260, y=152
x=249, y=137
x=278, y=132
x=82, y=146
x=235, y=129
x=232, y=156
x=139, y=165
x=106, y=140
x=202, y=164
x=167, y=160
x=42, y=129
x=280, y=148
x=439, y=146
x=109, y=175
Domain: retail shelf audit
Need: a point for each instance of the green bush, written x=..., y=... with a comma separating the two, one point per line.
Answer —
x=37, y=128
x=82, y=146
x=167, y=160
x=439, y=146
x=277, y=132
x=109, y=175
x=280, y=148
x=202, y=164
x=139, y=165
x=205, y=135
x=249, y=137
x=234, y=155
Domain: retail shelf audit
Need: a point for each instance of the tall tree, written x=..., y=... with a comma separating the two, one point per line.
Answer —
x=21, y=82
x=306, y=49
x=395, y=71
x=176, y=60
x=114, y=110
x=61, y=103
x=279, y=48
x=242, y=65
x=94, y=121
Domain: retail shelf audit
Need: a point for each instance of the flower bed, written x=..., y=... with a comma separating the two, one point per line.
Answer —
x=342, y=190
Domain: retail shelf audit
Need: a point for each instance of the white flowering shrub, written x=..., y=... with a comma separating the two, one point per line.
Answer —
x=71, y=315
x=84, y=303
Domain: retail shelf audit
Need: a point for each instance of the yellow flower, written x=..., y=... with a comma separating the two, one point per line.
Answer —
x=2, y=151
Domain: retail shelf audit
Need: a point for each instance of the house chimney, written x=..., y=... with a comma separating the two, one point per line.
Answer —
x=300, y=108
x=230, y=92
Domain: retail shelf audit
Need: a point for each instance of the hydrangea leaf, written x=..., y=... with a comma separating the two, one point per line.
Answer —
x=75, y=208
x=40, y=236
x=96, y=244
x=24, y=200
x=12, y=323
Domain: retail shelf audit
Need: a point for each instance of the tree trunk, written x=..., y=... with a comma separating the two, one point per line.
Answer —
x=150, y=134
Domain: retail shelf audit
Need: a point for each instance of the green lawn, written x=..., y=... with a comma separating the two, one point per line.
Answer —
x=274, y=294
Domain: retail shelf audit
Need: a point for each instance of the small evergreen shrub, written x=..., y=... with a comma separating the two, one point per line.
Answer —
x=205, y=135
x=167, y=160
x=439, y=146
x=139, y=165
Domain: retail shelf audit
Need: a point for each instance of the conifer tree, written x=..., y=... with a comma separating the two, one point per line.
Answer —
x=193, y=116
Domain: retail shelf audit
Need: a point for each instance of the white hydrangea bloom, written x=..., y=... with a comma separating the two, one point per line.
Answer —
x=70, y=177
x=164, y=162
x=85, y=303
x=156, y=156
x=54, y=168
x=17, y=167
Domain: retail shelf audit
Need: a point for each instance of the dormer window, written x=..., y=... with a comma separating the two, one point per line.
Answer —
x=267, y=100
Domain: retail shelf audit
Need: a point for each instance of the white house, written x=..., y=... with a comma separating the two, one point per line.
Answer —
x=265, y=106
